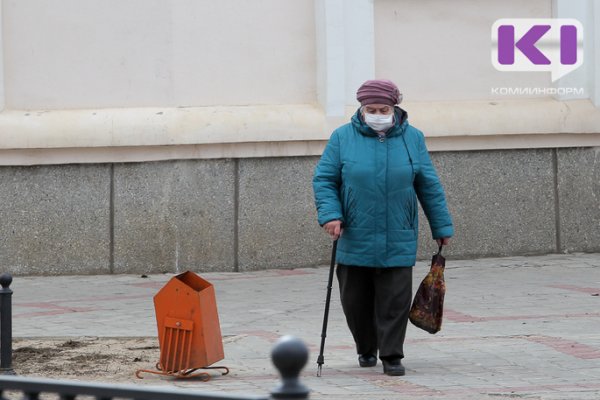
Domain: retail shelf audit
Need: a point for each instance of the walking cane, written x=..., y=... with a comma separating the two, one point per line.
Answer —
x=321, y=359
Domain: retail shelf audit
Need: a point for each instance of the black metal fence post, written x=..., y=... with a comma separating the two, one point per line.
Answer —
x=289, y=356
x=6, y=325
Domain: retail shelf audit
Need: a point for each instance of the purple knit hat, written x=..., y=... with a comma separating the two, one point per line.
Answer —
x=379, y=91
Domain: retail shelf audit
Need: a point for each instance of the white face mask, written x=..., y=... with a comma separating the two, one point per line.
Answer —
x=379, y=122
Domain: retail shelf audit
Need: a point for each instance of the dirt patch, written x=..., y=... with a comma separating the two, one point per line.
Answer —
x=98, y=359
x=73, y=344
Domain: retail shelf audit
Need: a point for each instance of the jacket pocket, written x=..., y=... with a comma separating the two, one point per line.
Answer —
x=404, y=210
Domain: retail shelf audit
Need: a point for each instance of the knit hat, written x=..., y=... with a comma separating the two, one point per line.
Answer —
x=379, y=91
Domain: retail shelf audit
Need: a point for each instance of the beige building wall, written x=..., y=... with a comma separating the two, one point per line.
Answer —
x=440, y=50
x=138, y=80
x=74, y=54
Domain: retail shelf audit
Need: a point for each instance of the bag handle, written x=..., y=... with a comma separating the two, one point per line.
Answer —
x=439, y=253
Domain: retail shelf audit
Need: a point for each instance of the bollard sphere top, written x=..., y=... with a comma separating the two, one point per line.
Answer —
x=5, y=280
x=289, y=356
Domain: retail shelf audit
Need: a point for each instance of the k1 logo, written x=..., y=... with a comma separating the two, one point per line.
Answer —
x=536, y=44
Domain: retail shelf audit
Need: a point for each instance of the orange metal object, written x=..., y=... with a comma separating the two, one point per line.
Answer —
x=188, y=328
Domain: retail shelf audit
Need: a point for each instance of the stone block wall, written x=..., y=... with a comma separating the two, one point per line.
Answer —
x=258, y=213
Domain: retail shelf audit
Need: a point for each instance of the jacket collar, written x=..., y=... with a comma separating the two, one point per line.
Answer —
x=401, y=122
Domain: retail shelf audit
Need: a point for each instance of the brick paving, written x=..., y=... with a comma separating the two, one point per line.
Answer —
x=516, y=327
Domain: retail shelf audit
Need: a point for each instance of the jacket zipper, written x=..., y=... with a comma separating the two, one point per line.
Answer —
x=387, y=165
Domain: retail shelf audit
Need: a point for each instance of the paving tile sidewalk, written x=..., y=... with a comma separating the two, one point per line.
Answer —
x=526, y=327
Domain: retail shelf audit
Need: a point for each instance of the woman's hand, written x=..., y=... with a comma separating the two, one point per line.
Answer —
x=443, y=241
x=334, y=229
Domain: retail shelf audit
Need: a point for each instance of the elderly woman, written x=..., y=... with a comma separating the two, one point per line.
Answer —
x=366, y=186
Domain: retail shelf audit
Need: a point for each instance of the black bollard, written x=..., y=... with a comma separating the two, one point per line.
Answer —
x=289, y=357
x=6, y=325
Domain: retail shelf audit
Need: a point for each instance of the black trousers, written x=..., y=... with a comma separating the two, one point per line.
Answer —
x=376, y=302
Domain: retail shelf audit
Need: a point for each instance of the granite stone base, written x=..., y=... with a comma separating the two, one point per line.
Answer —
x=174, y=216
x=258, y=213
x=55, y=220
x=277, y=218
x=578, y=187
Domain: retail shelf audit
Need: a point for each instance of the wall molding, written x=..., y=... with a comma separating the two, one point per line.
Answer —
x=125, y=154
x=141, y=134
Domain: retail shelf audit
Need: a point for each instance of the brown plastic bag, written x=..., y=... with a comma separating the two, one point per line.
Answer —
x=428, y=305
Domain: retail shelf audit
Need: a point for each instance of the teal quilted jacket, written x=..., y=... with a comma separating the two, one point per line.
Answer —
x=372, y=184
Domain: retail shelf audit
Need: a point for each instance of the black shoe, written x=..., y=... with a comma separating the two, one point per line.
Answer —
x=367, y=360
x=393, y=367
